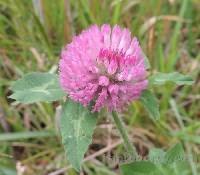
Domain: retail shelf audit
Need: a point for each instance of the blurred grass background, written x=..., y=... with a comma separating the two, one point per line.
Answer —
x=32, y=33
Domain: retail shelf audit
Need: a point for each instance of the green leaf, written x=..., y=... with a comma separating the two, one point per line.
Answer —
x=162, y=78
x=36, y=87
x=150, y=103
x=7, y=171
x=156, y=155
x=177, y=168
x=174, y=154
x=77, y=125
x=138, y=168
x=146, y=61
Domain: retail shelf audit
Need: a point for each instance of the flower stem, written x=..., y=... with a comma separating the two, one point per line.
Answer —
x=120, y=126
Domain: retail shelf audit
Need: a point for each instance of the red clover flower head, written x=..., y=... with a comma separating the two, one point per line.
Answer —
x=104, y=65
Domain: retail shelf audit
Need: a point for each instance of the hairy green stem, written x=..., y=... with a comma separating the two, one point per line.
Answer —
x=120, y=126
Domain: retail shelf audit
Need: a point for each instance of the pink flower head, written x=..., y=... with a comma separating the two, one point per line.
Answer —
x=105, y=66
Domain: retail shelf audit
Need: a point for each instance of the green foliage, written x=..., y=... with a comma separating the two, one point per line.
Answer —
x=176, y=153
x=156, y=155
x=146, y=61
x=175, y=77
x=36, y=87
x=138, y=168
x=25, y=135
x=7, y=171
x=159, y=162
x=77, y=125
x=149, y=101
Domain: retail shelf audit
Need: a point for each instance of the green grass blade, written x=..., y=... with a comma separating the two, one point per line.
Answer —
x=25, y=135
